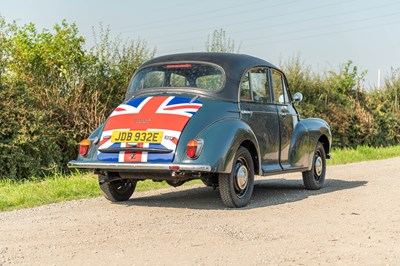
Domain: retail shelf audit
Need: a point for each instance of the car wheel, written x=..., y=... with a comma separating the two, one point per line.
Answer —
x=118, y=190
x=175, y=183
x=236, y=188
x=314, y=179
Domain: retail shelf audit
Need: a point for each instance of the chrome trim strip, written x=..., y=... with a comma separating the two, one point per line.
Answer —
x=134, y=149
x=138, y=166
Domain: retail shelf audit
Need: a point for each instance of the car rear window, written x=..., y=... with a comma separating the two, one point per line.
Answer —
x=178, y=75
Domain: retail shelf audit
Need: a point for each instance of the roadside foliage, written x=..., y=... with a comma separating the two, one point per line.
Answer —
x=54, y=91
x=358, y=116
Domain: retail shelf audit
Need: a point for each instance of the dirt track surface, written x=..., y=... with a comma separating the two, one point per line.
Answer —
x=354, y=220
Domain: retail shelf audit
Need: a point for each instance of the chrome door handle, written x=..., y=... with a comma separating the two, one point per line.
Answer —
x=245, y=112
x=284, y=111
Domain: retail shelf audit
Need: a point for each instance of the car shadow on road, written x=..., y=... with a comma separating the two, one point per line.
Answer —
x=266, y=193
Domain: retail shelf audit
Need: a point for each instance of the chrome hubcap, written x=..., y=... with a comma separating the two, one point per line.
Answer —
x=242, y=177
x=318, y=165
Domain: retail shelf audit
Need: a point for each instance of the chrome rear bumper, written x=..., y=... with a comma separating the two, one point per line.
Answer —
x=140, y=166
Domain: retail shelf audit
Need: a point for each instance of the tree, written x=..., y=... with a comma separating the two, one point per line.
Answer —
x=220, y=43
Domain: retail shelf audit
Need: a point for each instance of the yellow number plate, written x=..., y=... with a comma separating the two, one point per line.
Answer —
x=136, y=136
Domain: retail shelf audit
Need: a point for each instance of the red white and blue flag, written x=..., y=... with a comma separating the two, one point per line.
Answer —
x=168, y=114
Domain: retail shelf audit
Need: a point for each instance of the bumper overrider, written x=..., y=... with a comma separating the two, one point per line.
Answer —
x=140, y=166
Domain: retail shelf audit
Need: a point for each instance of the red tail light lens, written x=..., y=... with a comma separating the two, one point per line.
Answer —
x=84, y=147
x=191, y=148
x=194, y=147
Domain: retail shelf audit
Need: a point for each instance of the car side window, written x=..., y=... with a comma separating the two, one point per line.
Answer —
x=286, y=92
x=255, y=85
x=245, y=93
x=279, y=88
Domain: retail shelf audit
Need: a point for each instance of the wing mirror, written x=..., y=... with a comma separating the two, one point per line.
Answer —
x=297, y=97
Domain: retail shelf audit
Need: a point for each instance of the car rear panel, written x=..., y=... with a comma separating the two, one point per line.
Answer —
x=165, y=115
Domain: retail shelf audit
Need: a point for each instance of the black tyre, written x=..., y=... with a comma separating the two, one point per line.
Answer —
x=236, y=188
x=175, y=183
x=314, y=179
x=119, y=190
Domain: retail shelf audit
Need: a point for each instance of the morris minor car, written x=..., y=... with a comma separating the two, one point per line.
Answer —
x=221, y=118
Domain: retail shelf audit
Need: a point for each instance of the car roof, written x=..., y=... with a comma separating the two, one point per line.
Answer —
x=234, y=66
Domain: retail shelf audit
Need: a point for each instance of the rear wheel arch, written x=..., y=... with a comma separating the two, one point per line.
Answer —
x=249, y=145
x=221, y=145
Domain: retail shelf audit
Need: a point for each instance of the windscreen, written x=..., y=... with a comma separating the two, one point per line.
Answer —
x=183, y=75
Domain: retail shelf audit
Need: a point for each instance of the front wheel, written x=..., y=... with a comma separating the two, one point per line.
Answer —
x=236, y=188
x=118, y=190
x=175, y=183
x=314, y=178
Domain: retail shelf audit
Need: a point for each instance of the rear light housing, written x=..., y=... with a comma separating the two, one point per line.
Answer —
x=84, y=147
x=194, y=147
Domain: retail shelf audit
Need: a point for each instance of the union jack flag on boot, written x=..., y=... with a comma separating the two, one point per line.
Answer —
x=165, y=114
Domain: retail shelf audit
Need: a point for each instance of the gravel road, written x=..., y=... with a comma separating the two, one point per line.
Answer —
x=354, y=220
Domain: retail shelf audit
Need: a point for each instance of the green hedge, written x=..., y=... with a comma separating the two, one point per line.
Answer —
x=54, y=92
x=358, y=116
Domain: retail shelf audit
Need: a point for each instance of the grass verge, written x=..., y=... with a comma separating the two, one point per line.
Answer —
x=58, y=188
x=35, y=192
x=362, y=153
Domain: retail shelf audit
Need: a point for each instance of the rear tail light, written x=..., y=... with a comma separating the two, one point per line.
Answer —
x=194, y=147
x=174, y=168
x=84, y=147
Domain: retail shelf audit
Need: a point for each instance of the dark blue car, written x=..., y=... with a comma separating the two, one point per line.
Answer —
x=222, y=118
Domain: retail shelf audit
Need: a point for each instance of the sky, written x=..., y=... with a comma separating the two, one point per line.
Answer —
x=325, y=34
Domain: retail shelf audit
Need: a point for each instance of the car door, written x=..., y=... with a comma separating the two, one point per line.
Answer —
x=288, y=117
x=258, y=110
